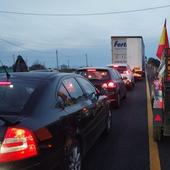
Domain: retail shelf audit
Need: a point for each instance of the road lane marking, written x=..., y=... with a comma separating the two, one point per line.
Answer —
x=153, y=147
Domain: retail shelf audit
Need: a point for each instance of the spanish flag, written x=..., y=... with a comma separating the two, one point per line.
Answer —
x=164, y=43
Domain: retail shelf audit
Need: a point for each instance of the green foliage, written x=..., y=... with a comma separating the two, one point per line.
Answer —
x=37, y=66
x=9, y=69
x=154, y=62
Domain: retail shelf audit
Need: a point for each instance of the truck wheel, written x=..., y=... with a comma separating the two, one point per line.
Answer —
x=157, y=133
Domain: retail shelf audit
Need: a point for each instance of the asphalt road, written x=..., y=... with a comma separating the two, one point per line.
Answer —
x=126, y=147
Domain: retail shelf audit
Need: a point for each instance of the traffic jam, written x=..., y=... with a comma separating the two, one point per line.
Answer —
x=56, y=120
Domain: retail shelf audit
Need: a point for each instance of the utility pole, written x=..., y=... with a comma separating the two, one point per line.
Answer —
x=86, y=60
x=68, y=63
x=57, y=59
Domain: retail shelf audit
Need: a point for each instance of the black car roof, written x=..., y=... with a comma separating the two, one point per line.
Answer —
x=97, y=68
x=35, y=75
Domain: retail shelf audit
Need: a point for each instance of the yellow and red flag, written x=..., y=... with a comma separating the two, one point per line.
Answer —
x=164, y=43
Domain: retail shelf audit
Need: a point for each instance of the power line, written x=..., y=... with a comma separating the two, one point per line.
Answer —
x=10, y=43
x=23, y=48
x=83, y=14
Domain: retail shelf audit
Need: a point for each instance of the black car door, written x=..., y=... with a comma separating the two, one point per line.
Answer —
x=80, y=118
x=97, y=110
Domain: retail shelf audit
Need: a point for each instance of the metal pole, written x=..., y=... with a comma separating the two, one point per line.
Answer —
x=86, y=60
x=57, y=59
x=68, y=63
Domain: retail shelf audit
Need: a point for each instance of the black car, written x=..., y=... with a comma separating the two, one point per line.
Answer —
x=49, y=120
x=106, y=78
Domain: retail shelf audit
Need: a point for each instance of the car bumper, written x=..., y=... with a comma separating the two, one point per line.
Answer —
x=138, y=77
x=32, y=164
x=112, y=96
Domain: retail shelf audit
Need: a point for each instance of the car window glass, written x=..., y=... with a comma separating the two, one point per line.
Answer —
x=63, y=95
x=121, y=69
x=87, y=86
x=13, y=98
x=73, y=89
x=118, y=75
x=114, y=75
x=97, y=74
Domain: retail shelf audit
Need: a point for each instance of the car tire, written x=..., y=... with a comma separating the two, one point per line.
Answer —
x=109, y=122
x=117, y=103
x=73, y=157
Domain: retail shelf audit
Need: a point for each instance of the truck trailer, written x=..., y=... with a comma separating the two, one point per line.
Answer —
x=129, y=50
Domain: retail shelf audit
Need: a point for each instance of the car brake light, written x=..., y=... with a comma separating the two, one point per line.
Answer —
x=104, y=85
x=126, y=72
x=116, y=66
x=18, y=143
x=91, y=70
x=5, y=83
x=109, y=85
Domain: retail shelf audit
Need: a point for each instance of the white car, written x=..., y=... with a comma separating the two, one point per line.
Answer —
x=126, y=73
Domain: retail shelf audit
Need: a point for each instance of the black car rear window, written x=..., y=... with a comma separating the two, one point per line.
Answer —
x=95, y=74
x=14, y=97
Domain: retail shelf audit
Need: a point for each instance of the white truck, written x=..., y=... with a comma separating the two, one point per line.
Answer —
x=129, y=50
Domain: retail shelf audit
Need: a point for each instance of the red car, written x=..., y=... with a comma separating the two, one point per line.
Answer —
x=106, y=78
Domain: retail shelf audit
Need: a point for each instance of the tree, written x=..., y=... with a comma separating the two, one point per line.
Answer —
x=37, y=66
x=20, y=65
x=154, y=62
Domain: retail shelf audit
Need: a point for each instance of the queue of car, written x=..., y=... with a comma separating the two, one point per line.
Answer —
x=49, y=120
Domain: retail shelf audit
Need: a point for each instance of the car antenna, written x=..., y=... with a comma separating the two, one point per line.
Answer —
x=7, y=74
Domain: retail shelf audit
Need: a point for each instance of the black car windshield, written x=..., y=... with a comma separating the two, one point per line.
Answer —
x=14, y=96
x=97, y=74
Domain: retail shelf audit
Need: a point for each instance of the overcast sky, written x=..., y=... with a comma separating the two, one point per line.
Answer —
x=38, y=37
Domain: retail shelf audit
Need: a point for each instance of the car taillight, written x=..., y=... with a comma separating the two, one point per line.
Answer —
x=109, y=85
x=18, y=143
x=104, y=85
x=5, y=83
x=126, y=72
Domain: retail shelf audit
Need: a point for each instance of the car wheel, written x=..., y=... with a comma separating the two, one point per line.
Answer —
x=109, y=122
x=73, y=158
x=117, y=103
